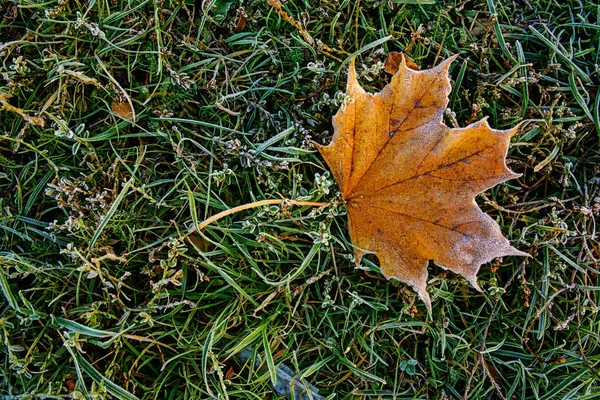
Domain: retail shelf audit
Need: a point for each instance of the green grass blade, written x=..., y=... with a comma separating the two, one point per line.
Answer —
x=578, y=97
x=597, y=113
x=457, y=83
x=498, y=31
x=561, y=55
x=269, y=358
x=4, y=285
x=115, y=205
x=81, y=329
x=363, y=49
x=97, y=377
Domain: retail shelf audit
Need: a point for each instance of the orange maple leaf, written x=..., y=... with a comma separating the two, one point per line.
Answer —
x=409, y=181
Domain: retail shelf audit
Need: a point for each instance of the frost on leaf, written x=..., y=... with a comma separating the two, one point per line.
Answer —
x=410, y=182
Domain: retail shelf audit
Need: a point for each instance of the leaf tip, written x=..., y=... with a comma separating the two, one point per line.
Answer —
x=425, y=298
x=318, y=146
x=451, y=59
x=512, y=251
x=511, y=132
x=358, y=255
x=352, y=80
x=445, y=65
x=420, y=286
x=483, y=121
x=473, y=281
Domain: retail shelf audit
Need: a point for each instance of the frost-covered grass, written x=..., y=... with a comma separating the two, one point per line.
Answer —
x=104, y=295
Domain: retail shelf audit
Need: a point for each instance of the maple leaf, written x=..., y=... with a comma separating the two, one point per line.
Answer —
x=409, y=181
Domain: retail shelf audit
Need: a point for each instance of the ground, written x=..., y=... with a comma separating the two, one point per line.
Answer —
x=124, y=123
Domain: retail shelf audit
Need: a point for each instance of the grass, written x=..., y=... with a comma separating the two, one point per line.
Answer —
x=124, y=123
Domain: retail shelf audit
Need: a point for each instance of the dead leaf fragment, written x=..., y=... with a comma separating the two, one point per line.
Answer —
x=394, y=59
x=410, y=182
x=122, y=109
x=241, y=23
x=5, y=105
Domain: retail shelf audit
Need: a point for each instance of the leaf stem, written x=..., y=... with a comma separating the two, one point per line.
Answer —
x=255, y=204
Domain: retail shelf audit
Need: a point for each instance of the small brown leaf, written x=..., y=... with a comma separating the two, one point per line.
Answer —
x=122, y=109
x=230, y=373
x=393, y=61
x=70, y=383
x=241, y=23
x=410, y=182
